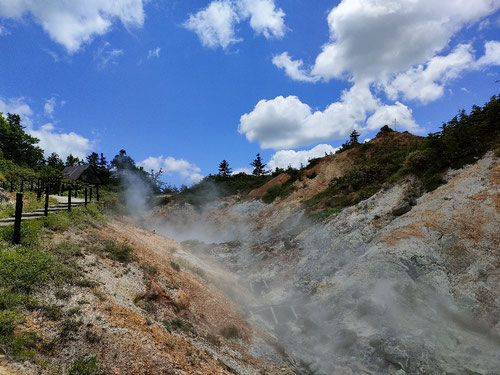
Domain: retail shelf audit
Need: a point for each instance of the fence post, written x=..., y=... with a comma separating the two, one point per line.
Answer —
x=69, y=198
x=76, y=191
x=85, y=196
x=17, y=220
x=46, y=211
x=90, y=200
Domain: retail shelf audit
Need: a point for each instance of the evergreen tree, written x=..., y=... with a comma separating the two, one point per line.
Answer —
x=16, y=144
x=123, y=161
x=258, y=166
x=93, y=159
x=224, y=169
x=103, y=163
x=354, y=138
x=55, y=161
x=72, y=160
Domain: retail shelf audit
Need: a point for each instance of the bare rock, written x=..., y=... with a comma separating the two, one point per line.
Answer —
x=402, y=209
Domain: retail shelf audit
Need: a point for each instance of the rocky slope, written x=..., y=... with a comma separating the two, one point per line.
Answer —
x=403, y=282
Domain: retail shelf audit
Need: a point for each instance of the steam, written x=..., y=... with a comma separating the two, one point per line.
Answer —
x=138, y=193
x=335, y=298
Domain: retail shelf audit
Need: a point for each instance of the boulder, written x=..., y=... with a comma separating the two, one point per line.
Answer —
x=403, y=208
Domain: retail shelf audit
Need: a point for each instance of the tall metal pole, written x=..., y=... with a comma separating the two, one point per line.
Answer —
x=18, y=218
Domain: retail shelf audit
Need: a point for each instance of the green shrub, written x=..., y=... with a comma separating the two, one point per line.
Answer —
x=21, y=269
x=84, y=366
x=9, y=320
x=120, y=252
x=278, y=191
x=175, y=266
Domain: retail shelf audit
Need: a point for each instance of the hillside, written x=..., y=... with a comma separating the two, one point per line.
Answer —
x=385, y=290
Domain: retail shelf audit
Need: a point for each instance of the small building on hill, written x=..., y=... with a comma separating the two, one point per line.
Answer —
x=84, y=173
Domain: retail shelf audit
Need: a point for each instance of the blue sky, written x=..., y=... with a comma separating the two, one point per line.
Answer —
x=184, y=84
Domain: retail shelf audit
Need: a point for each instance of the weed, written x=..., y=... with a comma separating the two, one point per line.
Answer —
x=84, y=366
x=69, y=327
x=175, y=266
x=120, y=252
x=231, y=332
x=149, y=269
x=62, y=294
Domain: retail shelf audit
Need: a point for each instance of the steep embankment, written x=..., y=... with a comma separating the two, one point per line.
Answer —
x=142, y=306
x=401, y=282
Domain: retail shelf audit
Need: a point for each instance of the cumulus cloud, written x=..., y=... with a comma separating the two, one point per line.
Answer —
x=399, y=46
x=189, y=172
x=427, y=83
x=374, y=40
x=73, y=23
x=63, y=144
x=284, y=123
x=293, y=68
x=491, y=55
x=154, y=53
x=265, y=18
x=242, y=170
x=296, y=159
x=51, y=140
x=216, y=24
x=387, y=114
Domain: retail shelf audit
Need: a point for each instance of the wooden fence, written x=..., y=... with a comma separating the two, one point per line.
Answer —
x=46, y=187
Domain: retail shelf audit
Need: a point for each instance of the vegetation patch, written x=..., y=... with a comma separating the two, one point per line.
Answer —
x=461, y=141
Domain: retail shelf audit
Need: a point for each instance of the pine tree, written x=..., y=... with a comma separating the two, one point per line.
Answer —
x=55, y=161
x=224, y=169
x=93, y=159
x=258, y=166
x=72, y=160
x=103, y=163
x=354, y=138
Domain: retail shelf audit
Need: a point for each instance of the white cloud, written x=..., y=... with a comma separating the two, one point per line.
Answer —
x=189, y=172
x=19, y=107
x=49, y=106
x=215, y=25
x=154, y=52
x=427, y=83
x=393, y=35
x=107, y=55
x=73, y=23
x=4, y=31
x=491, y=55
x=51, y=140
x=62, y=143
x=284, y=123
x=392, y=45
x=293, y=68
x=242, y=170
x=386, y=114
x=296, y=159
x=265, y=19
